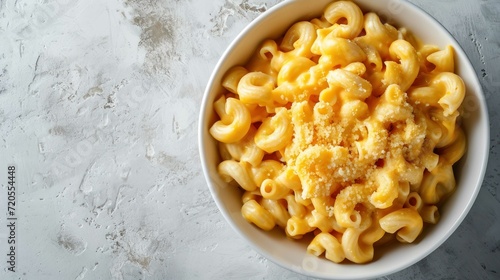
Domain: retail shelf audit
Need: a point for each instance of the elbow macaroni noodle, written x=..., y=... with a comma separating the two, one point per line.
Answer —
x=345, y=128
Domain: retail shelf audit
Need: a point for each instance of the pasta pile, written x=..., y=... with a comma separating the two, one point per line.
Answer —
x=345, y=128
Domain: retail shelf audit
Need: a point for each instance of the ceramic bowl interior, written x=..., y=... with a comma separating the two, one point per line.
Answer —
x=388, y=259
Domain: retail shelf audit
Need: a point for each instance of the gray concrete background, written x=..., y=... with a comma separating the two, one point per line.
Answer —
x=99, y=103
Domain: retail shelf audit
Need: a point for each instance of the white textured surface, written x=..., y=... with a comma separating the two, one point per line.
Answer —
x=98, y=112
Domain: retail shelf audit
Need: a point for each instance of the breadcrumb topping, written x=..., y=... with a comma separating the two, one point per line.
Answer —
x=329, y=152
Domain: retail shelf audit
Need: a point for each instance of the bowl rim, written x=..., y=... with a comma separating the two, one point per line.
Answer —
x=483, y=110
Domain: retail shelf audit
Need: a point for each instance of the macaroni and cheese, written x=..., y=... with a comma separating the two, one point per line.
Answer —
x=344, y=128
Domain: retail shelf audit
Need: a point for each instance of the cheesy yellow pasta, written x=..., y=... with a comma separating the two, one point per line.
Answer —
x=345, y=129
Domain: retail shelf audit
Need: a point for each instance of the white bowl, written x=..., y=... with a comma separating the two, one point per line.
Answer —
x=388, y=259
